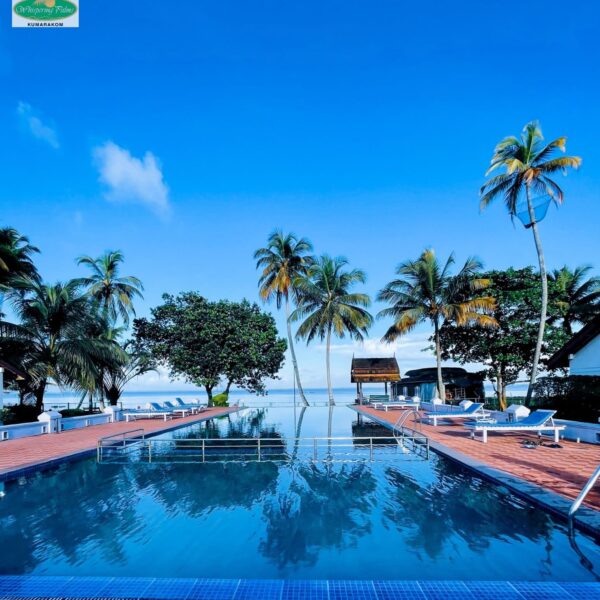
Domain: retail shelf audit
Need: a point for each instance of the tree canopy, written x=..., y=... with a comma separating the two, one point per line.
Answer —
x=207, y=343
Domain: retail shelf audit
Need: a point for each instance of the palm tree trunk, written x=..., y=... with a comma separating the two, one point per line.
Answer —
x=544, y=277
x=328, y=364
x=298, y=432
x=438, y=357
x=293, y=353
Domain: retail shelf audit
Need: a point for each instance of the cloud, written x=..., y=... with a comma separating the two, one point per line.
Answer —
x=131, y=179
x=32, y=122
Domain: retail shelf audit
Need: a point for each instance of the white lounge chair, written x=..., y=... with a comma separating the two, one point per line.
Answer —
x=183, y=410
x=539, y=421
x=155, y=406
x=396, y=404
x=193, y=406
x=472, y=411
x=133, y=415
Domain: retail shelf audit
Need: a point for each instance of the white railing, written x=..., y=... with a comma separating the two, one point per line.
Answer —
x=53, y=425
x=84, y=421
x=11, y=432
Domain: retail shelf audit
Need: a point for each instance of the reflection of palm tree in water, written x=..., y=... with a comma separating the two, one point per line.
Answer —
x=457, y=504
x=325, y=507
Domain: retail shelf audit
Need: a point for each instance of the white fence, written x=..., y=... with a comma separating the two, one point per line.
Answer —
x=53, y=422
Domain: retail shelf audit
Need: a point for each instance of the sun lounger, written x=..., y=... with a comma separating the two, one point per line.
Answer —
x=396, y=404
x=155, y=406
x=133, y=415
x=472, y=411
x=181, y=409
x=193, y=406
x=539, y=421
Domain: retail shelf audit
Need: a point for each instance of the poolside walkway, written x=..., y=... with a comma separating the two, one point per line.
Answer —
x=31, y=452
x=563, y=471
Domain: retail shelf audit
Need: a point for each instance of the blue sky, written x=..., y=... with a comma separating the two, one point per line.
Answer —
x=184, y=133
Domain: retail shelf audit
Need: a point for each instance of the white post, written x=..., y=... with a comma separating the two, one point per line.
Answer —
x=1, y=388
x=53, y=420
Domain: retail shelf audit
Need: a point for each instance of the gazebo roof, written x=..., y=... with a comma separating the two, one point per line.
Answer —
x=374, y=370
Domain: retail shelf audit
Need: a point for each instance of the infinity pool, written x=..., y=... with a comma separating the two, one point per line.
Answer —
x=402, y=518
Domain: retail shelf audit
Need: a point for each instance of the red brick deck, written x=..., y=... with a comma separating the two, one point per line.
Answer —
x=564, y=471
x=30, y=451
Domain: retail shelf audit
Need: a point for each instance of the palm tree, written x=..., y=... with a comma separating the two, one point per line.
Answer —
x=577, y=298
x=529, y=163
x=426, y=291
x=15, y=257
x=55, y=328
x=326, y=305
x=114, y=294
x=116, y=378
x=284, y=259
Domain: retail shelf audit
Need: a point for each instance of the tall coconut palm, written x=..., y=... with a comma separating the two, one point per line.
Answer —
x=428, y=292
x=15, y=257
x=529, y=163
x=284, y=259
x=113, y=293
x=54, y=333
x=326, y=305
x=576, y=297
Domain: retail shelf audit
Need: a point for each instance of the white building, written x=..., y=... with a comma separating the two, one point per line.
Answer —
x=581, y=354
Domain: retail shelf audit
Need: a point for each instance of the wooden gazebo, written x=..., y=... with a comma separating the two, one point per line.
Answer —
x=374, y=370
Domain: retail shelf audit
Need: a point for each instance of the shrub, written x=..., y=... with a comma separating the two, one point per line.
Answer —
x=73, y=412
x=19, y=413
x=576, y=397
x=221, y=399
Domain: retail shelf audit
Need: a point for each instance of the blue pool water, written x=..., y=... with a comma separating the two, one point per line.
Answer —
x=398, y=519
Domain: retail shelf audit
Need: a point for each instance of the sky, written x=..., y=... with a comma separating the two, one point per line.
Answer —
x=184, y=133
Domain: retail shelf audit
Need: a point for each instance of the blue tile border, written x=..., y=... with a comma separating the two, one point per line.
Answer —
x=16, y=587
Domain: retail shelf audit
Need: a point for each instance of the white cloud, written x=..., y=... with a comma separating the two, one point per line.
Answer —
x=131, y=179
x=32, y=122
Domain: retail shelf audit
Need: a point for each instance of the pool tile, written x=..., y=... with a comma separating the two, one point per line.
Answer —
x=169, y=589
x=582, y=591
x=445, y=590
x=28, y=587
x=493, y=590
x=340, y=589
x=306, y=589
x=127, y=587
x=541, y=590
x=259, y=589
x=86, y=587
x=398, y=590
x=214, y=589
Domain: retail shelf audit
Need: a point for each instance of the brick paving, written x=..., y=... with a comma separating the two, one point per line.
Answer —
x=30, y=451
x=562, y=470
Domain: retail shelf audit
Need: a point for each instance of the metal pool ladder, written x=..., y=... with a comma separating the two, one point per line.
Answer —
x=584, y=492
x=399, y=431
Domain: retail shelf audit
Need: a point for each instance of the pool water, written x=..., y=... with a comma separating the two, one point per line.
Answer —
x=402, y=518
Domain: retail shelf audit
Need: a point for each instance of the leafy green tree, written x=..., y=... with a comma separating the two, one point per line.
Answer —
x=283, y=261
x=252, y=350
x=505, y=350
x=576, y=297
x=427, y=292
x=207, y=342
x=113, y=293
x=529, y=163
x=55, y=336
x=326, y=305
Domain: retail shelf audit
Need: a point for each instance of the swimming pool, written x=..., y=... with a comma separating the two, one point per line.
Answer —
x=397, y=519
